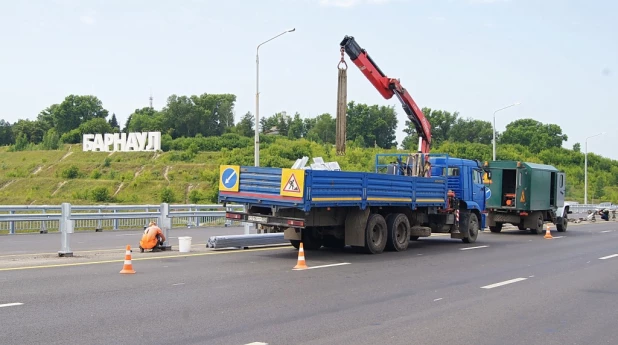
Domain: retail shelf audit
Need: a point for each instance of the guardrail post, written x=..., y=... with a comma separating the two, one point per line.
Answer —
x=165, y=223
x=228, y=222
x=43, y=225
x=99, y=227
x=116, y=221
x=613, y=214
x=66, y=228
x=197, y=218
x=12, y=225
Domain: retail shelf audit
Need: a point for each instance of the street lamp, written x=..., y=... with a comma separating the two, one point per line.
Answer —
x=586, y=166
x=257, y=96
x=494, y=129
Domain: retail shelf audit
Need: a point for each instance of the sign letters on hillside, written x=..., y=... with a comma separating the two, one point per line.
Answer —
x=123, y=142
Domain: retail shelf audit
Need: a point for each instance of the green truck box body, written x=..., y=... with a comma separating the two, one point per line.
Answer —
x=529, y=186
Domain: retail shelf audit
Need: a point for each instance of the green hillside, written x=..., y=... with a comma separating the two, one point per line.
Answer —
x=191, y=176
x=68, y=174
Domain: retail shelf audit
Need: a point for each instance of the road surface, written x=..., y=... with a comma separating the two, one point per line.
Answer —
x=508, y=288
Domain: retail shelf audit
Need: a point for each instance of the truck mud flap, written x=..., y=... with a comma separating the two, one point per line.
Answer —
x=285, y=222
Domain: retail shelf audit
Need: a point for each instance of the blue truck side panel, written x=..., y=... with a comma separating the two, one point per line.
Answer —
x=338, y=188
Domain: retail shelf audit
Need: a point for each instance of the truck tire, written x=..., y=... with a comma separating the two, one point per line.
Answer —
x=398, y=228
x=473, y=228
x=562, y=223
x=496, y=228
x=376, y=234
x=539, y=225
x=296, y=244
x=310, y=240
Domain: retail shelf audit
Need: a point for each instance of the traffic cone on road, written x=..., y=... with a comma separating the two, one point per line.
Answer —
x=548, y=233
x=300, y=265
x=128, y=266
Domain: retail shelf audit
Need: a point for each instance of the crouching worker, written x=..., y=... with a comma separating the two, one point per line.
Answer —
x=152, y=238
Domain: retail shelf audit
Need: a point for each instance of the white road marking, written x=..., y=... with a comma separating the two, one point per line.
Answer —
x=558, y=236
x=503, y=283
x=531, y=277
x=178, y=284
x=331, y=265
x=10, y=305
x=473, y=247
x=607, y=230
x=609, y=257
x=257, y=343
x=437, y=299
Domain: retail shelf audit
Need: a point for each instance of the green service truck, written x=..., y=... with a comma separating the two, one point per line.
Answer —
x=525, y=195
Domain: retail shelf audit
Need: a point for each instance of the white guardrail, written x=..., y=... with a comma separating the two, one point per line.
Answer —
x=45, y=218
x=70, y=216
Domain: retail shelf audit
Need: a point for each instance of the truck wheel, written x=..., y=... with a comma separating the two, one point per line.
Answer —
x=539, y=225
x=496, y=228
x=376, y=234
x=562, y=224
x=398, y=228
x=296, y=244
x=473, y=229
x=310, y=240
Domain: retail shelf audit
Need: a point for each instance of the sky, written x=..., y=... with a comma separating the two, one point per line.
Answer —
x=559, y=58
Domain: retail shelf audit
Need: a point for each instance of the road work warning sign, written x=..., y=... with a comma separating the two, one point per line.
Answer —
x=292, y=182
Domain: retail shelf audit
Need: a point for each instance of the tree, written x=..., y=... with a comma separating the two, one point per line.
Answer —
x=51, y=140
x=441, y=123
x=472, y=131
x=533, y=134
x=324, y=129
x=75, y=110
x=245, y=125
x=6, y=133
x=96, y=126
x=114, y=122
x=33, y=131
x=376, y=124
x=296, y=127
x=145, y=120
x=206, y=114
x=577, y=147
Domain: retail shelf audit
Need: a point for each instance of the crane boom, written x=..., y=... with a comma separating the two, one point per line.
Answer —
x=389, y=87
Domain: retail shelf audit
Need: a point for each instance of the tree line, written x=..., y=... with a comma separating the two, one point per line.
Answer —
x=206, y=123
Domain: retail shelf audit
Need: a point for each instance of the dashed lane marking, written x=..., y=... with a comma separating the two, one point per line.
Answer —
x=331, y=265
x=506, y=282
x=609, y=257
x=10, y=305
x=473, y=247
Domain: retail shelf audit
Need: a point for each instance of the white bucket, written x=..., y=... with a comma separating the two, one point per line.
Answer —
x=184, y=244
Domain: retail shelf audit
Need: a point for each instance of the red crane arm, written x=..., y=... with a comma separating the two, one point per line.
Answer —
x=389, y=87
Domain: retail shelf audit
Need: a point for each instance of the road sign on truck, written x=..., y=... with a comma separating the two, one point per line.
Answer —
x=526, y=195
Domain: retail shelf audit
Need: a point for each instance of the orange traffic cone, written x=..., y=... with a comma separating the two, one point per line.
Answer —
x=547, y=233
x=128, y=266
x=301, y=265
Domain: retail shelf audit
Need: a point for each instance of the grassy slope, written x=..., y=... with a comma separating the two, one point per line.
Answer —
x=36, y=177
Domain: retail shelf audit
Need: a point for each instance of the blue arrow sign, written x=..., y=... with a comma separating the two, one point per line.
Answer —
x=229, y=178
x=487, y=193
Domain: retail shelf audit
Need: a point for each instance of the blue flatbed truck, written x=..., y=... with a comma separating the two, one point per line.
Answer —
x=371, y=211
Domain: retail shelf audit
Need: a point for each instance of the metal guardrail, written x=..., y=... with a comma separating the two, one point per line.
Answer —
x=28, y=218
x=69, y=215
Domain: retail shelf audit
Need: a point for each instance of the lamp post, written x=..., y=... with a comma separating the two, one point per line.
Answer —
x=257, y=96
x=586, y=166
x=494, y=129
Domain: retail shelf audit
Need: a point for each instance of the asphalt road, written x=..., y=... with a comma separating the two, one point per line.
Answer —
x=508, y=288
x=109, y=239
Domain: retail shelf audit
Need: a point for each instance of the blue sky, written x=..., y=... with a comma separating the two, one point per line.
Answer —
x=558, y=58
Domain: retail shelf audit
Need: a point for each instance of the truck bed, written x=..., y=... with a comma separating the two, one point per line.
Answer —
x=323, y=188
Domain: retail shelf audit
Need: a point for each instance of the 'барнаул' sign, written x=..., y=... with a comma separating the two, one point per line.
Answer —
x=123, y=142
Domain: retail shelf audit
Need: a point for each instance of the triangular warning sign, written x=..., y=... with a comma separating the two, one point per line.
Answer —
x=291, y=185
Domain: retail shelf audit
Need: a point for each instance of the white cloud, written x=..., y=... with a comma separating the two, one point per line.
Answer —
x=351, y=3
x=88, y=20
